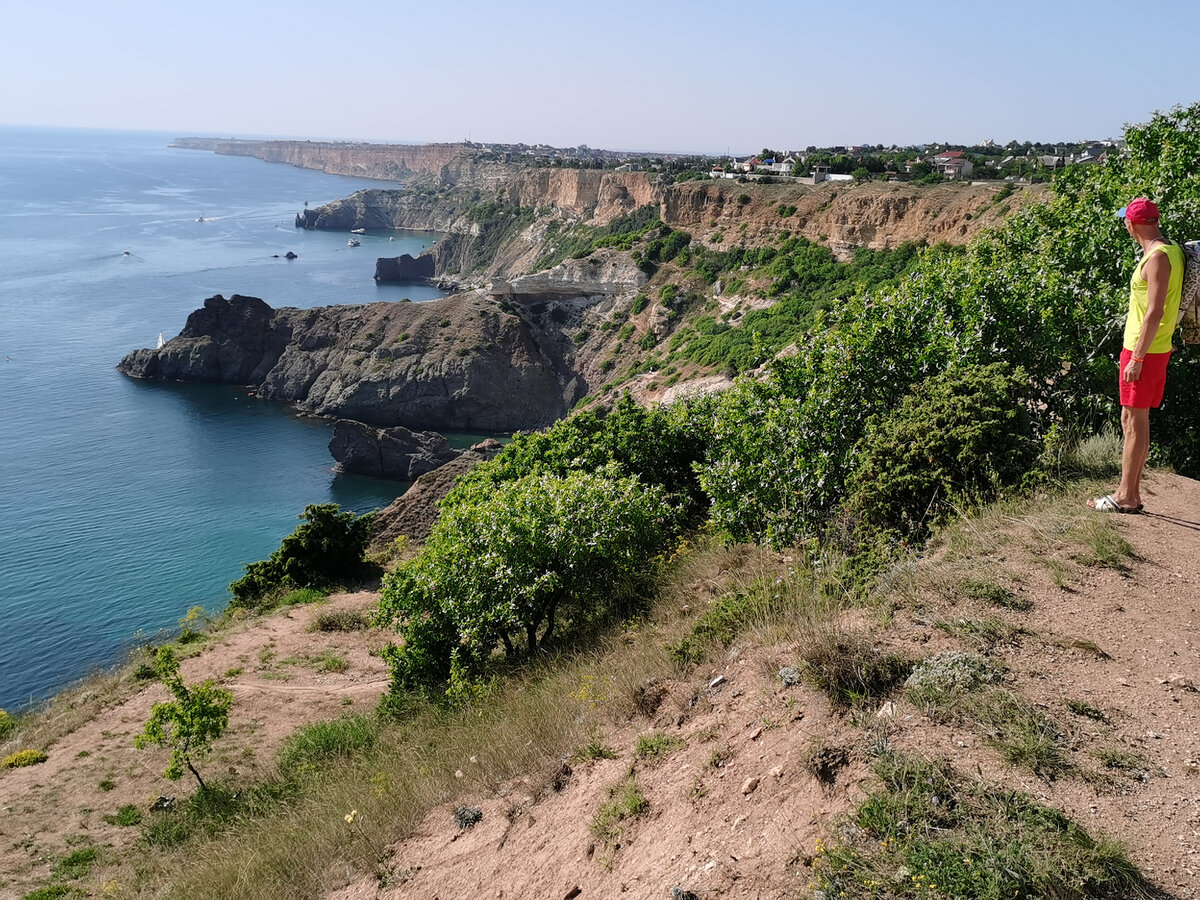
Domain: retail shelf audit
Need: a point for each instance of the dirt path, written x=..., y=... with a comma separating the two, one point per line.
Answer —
x=282, y=676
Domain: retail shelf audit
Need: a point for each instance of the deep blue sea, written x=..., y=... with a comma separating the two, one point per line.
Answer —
x=125, y=503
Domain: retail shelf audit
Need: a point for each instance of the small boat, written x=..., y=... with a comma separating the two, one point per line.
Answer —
x=353, y=242
x=160, y=341
x=358, y=231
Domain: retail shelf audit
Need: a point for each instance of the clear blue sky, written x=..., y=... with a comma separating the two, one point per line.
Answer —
x=699, y=76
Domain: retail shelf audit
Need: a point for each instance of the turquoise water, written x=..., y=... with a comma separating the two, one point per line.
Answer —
x=124, y=503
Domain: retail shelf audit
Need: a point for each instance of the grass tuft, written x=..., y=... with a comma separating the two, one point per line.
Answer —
x=626, y=801
x=927, y=832
x=341, y=620
x=849, y=668
x=656, y=746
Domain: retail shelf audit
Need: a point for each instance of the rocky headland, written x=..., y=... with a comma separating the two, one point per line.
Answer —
x=458, y=364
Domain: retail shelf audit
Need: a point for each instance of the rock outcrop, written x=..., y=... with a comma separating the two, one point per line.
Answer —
x=460, y=364
x=395, y=453
x=404, y=268
x=603, y=273
x=412, y=515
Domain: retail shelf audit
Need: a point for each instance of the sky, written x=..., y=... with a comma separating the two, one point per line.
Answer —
x=704, y=76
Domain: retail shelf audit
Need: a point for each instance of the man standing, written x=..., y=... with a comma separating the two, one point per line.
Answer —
x=1154, y=293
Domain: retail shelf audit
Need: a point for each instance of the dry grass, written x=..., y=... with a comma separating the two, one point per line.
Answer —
x=430, y=755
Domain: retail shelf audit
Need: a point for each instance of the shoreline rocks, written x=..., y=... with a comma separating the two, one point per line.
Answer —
x=393, y=453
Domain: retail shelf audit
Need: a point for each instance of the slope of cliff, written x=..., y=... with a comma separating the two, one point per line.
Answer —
x=436, y=164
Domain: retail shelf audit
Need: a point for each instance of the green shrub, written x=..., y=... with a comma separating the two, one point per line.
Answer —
x=508, y=564
x=660, y=446
x=8, y=724
x=326, y=550
x=961, y=435
x=23, y=758
x=639, y=303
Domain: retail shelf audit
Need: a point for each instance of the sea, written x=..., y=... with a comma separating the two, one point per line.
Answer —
x=125, y=503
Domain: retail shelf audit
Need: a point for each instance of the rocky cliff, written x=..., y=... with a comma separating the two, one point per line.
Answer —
x=841, y=215
x=462, y=363
x=442, y=164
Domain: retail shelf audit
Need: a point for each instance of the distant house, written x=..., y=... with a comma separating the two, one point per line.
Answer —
x=1094, y=153
x=952, y=164
x=781, y=166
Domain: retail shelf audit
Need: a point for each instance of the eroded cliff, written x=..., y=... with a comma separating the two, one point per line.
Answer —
x=462, y=363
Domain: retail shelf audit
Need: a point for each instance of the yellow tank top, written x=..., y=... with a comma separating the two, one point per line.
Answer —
x=1138, y=301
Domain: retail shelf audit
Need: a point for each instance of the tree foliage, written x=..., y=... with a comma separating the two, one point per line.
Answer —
x=1046, y=291
x=660, y=446
x=324, y=551
x=506, y=564
x=189, y=723
x=962, y=436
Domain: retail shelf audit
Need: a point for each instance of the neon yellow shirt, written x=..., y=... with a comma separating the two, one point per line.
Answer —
x=1138, y=301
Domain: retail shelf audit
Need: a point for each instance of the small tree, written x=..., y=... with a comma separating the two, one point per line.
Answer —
x=190, y=723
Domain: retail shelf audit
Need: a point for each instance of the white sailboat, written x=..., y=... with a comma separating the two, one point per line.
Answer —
x=160, y=341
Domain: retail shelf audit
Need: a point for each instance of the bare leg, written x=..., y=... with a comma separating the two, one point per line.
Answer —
x=1136, y=425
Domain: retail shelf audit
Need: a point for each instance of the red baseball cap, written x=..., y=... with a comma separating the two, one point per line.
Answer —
x=1139, y=211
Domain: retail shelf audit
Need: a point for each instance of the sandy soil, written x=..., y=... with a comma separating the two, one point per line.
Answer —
x=273, y=665
x=747, y=828
x=736, y=811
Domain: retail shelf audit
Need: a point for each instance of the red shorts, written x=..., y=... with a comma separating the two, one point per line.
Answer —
x=1147, y=391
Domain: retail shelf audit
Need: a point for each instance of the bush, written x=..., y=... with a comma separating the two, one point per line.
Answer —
x=510, y=563
x=962, y=435
x=8, y=724
x=23, y=758
x=660, y=446
x=326, y=550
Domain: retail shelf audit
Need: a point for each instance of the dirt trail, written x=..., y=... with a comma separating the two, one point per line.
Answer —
x=282, y=676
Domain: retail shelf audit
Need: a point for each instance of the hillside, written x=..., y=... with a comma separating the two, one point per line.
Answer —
x=555, y=304
x=751, y=775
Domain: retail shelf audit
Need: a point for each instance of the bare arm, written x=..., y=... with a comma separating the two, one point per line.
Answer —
x=1157, y=272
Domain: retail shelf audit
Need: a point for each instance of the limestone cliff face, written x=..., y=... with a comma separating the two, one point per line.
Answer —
x=461, y=363
x=603, y=273
x=582, y=193
x=384, y=209
x=448, y=163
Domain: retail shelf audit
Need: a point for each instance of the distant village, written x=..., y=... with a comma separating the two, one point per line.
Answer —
x=1014, y=162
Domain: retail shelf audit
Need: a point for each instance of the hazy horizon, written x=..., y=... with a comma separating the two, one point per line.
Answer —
x=673, y=78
